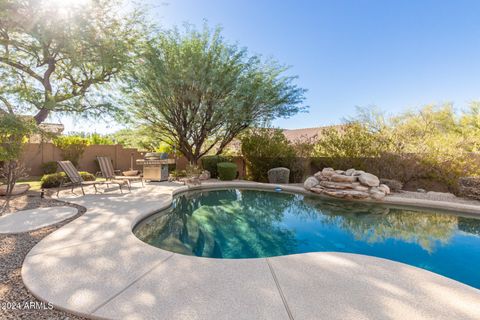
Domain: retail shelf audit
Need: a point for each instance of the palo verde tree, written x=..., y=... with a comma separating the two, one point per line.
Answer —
x=197, y=92
x=53, y=54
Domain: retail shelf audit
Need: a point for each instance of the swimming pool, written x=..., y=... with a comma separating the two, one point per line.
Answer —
x=244, y=223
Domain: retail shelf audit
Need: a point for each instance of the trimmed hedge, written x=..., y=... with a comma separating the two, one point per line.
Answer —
x=227, y=171
x=53, y=180
x=210, y=163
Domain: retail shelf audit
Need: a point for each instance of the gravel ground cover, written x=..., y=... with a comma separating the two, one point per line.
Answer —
x=16, y=302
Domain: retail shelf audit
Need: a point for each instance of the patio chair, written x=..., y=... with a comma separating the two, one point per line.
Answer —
x=73, y=178
x=108, y=173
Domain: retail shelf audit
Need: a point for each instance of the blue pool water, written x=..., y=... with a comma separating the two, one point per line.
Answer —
x=237, y=223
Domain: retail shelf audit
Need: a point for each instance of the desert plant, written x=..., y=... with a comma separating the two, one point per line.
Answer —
x=209, y=163
x=227, y=171
x=394, y=185
x=469, y=187
x=197, y=92
x=96, y=138
x=55, y=179
x=71, y=147
x=10, y=172
x=264, y=149
x=49, y=167
x=13, y=133
x=176, y=174
x=193, y=170
x=433, y=143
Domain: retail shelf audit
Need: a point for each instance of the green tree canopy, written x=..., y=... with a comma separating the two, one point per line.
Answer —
x=54, y=54
x=197, y=92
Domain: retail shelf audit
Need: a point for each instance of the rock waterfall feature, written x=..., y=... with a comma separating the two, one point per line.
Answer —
x=349, y=184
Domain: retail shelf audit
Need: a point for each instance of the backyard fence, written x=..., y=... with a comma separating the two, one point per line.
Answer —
x=35, y=154
x=404, y=168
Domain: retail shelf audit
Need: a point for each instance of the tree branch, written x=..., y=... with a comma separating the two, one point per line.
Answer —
x=21, y=67
x=7, y=104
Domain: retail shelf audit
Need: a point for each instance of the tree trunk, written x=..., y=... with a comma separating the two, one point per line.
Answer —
x=41, y=115
x=11, y=177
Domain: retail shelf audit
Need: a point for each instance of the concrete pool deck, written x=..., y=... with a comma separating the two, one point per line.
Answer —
x=96, y=267
x=33, y=219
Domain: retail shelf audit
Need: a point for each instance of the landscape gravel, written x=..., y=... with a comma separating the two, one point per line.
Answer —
x=15, y=300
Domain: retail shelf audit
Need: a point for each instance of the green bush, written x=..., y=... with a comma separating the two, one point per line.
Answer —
x=434, y=143
x=227, y=171
x=209, y=163
x=71, y=147
x=265, y=149
x=53, y=180
x=49, y=167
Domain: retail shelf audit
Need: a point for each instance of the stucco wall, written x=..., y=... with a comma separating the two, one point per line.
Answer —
x=35, y=154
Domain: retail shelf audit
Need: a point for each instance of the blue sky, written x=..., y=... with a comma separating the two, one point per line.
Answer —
x=396, y=55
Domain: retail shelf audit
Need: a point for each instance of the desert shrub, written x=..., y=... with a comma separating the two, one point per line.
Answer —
x=71, y=147
x=53, y=180
x=210, y=163
x=178, y=174
x=265, y=149
x=14, y=131
x=469, y=187
x=433, y=144
x=227, y=171
x=394, y=185
x=354, y=140
x=96, y=138
x=193, y=170
x=49, y=167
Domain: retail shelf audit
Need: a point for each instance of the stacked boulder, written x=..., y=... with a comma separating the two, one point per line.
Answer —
x=350, y=184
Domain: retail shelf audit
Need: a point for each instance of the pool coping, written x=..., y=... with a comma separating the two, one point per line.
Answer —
x=84, y=258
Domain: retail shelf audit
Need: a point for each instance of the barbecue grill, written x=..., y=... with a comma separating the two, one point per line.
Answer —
x=155, y=166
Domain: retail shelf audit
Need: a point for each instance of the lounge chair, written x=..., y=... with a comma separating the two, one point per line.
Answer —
x=75, y=179
x=109, y=174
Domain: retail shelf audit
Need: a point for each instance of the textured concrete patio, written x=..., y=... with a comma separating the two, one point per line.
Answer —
x=95, y=266
x=32, y=219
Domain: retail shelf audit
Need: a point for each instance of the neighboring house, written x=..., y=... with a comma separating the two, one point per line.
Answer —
x=51, y=130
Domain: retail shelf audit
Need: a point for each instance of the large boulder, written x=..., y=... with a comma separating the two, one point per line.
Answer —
x=339, y=185
x=343, y=178
x=347, y=194
x=328, y=172
x=376, y=193
x=369, y=179
x=358, y=172
x=350, y=172
x=349, y=184
x=205, y=175
x=319, y=176
x=384, y=188
x=279, y=175
x=359, y=187
x=310, y=183
x=393, y=185
x=317, y=189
